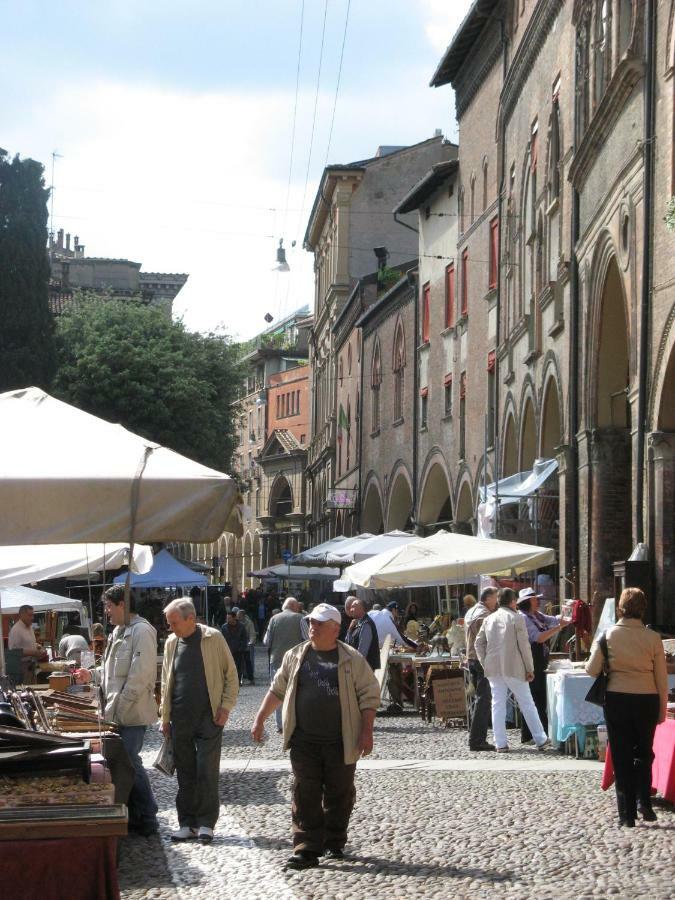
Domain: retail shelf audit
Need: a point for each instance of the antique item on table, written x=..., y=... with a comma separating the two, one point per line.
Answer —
x=59, y=681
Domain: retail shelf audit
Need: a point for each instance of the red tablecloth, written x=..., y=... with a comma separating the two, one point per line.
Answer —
x=663, y=768
x=73, y=868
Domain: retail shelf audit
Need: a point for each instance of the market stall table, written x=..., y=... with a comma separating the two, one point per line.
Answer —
x=568, y=712
x=422, y=663
x=663, y=767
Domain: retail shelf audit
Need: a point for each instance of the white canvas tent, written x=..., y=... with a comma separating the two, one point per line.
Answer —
x=446, y=558
x=41, y=601
x=296, y=573
x=70, y=477
x=346, y=551
x=28, y=564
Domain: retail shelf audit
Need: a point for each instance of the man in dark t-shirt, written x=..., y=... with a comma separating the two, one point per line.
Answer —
x=318, y=689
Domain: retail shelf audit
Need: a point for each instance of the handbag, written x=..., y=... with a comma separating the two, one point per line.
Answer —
x=164, y=761
x=598, y=689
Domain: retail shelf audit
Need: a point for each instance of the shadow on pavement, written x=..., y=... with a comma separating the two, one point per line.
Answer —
x=253, y=788
x=366, y=864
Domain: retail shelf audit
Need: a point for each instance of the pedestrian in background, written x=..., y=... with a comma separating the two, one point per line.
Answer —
x=473, y=620
x=362, y=633
x=249, y=656
x=283, y=633
x=330, y=697
x=635, y=702
x=200, y=684
x=503, y=650
x=236, y=637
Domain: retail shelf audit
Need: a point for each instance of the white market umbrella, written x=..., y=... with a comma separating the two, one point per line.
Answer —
x=69, y=477
x=444, y=558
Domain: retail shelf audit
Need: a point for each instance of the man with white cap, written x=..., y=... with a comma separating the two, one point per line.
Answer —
x=540, y=629
x=330, y=697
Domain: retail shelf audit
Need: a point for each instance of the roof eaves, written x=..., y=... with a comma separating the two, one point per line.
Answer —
x=452, y=60
x=426, y=186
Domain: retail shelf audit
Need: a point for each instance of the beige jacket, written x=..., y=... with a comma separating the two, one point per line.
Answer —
x=357, y=686
x=222, y=679
x=637, y=662
x=503, y=647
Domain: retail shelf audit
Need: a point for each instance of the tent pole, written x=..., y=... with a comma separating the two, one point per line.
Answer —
x=2, y=641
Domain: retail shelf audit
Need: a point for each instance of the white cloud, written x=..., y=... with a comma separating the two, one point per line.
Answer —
x=442, y=18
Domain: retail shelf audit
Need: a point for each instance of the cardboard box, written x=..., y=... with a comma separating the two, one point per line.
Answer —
x=449, y=698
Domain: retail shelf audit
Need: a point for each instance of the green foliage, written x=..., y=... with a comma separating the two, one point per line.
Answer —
x=387, y=278
x=670, y=215
x=127, y=362
x=26, y=329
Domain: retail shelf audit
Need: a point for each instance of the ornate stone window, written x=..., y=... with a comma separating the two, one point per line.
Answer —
x=398, y=367
x=375, y=383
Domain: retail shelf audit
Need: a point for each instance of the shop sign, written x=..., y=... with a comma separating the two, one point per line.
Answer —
x=449, y=698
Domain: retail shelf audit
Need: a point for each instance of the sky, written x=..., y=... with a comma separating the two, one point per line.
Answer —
x=173, y=122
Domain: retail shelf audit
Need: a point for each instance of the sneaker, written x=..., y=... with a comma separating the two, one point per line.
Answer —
x=185, y=833
x=545, y=745
x=301, y=859
x=205, y=835
x=503, y=749
x=333, y=853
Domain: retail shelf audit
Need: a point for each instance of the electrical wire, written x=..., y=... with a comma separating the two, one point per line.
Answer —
x=295, y=117
x=337, y=86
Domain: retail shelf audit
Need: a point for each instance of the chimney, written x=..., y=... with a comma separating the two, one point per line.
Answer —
x=59, y=242
x=438, y=132
x=65, y=277
x=67, y=242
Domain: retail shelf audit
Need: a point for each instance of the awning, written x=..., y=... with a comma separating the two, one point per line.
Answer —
x=41, y=601
x=28, y=564
x=351, y=550
x=166, y=572
x=316, y=556
x=296, y=573
x=511, y=490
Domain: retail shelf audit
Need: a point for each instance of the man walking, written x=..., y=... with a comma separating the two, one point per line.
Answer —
x=473, y=620
x=283, y=633
x=249, y=655
x=235, y=635
x=200, y=684
x=127, y=677
x=503, y=649
x=362, y=633
x=330, y=697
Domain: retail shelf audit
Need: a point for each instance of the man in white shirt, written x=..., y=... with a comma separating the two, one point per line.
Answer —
x=22, y=637
x=385, y=623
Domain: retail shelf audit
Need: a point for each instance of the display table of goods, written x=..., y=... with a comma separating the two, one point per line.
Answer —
x=59, y=822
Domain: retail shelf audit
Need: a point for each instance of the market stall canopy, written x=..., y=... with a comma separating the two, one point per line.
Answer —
x=510, y=490
x=69, y=477
x=28, y=564
x=346, y=551
x=15, y=597
x=315, y=555
x=166, y=572
x=296, y=573
x=444, y=558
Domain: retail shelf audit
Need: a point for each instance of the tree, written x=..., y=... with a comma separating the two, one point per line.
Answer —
x=127, y=362
x=27, y=354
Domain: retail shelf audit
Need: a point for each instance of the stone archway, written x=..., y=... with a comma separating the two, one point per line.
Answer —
x=528, y=437
x=464, y=513
x=372, y=515
x=551, y=427
x=435, y=503
x=510, y=452
x=399, y=513
x=281, y=498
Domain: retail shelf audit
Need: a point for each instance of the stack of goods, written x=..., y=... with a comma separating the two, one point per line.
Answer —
x=24, y=791
x=71, y=712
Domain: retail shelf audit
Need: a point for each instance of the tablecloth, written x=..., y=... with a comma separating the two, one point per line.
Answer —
x=568, y=712
x=663, y=767
x=72, y=868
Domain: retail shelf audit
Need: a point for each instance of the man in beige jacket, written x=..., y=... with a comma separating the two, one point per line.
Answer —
x=503, y=650
x=199, y=689
x=330, y=697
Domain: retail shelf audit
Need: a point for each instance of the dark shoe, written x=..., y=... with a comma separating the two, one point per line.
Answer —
x=647, y=813
x=626, y=823
x=484, y=746
x=302, y=860
x=333, y=853
x=144, y=829
x=394, y=709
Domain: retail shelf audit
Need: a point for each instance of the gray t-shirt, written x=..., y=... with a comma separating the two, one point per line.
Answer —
x=190, y=695
x=317, y=699
x=283, y=632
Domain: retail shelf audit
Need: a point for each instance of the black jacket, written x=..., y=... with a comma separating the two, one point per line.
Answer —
x=362, y=636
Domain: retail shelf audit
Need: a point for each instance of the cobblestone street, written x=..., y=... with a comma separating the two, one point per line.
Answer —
x=431, y=821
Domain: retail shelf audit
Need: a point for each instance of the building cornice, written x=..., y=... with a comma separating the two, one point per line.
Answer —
x=467, y=88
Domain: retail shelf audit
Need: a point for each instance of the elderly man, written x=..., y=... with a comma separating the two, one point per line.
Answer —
x=283, y=633
x=127, y=677
x=330, y=697
x=480, y=721
x=200, y=684
x=22, y=637
x=503, y=650
x=362, y=633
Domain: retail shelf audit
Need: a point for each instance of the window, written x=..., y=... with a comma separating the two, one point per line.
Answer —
x=582, y=75
x=494, y=253
x=554, y=147
x=340, y=372
x=447, y=386
x=449, y=295
x=278, y=406
x=426, y=312
x=462, y=416
x=485, y=183
x=465, y=282
x=349, y=431
x=460, y=210
x=375, y=382
x=472, y=200
x=399, y=373
x=349, y=360
x=424, y=407
x=297, y=403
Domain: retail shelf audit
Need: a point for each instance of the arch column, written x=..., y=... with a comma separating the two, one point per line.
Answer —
x=662, y=538
x=566, y=537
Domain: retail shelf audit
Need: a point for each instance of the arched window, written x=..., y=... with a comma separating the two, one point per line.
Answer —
x=485, y=183
x=375, y=383
x=554, y=151
x=602, y=48
x=582, y=76
x=472, y=200
x=460, y=209
x=349, y=433
x=340, y=372
x=398, y=366
x=349, y=360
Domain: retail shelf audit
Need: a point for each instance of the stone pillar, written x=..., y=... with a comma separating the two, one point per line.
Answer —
x=611, y=505
x=583, y=536
x=566, y=537
x=662, y=513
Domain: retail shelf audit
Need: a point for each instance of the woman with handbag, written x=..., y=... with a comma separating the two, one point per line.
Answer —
x=635, y=702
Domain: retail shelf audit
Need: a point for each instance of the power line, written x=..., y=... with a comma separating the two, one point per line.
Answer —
x=337, y=86
x=295, y=116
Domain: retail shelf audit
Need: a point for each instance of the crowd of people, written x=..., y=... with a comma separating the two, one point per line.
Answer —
x=324, y=694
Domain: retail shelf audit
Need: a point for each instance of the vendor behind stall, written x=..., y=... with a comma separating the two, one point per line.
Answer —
x=22, y=637
x=73, y=642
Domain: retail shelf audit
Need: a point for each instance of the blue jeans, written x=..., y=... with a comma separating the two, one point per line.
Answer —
x=142, y=805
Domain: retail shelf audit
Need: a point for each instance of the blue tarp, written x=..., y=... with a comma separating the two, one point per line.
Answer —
x=166, y=572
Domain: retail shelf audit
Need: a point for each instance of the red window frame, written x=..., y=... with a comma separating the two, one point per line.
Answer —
x=426, y=312
x=465, y=282
x=449, y=295
x=494, y=252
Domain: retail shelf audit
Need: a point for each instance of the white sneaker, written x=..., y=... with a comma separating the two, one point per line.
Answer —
x=184, y=834
x=205, y=835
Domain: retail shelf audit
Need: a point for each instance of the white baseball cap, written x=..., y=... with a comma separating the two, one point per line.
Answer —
x=324, y=612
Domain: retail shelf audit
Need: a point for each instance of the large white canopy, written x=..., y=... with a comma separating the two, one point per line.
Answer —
x=445, y=558
x=15, y=597
x=28, y=564
x=68, y=477
x=343, y=551
x=296, y=573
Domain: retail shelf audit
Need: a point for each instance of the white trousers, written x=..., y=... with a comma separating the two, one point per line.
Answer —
x=521, y=691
